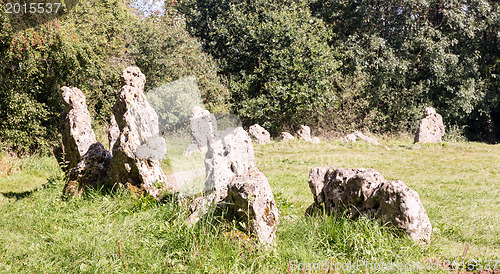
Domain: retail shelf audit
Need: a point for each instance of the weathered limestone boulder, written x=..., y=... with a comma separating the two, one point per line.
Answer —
x=305, y=133
x=431, y=128
x=90, y=172
x=357, y=135
x=113, y=133
x=76, y=129
x=230, y=154
x=251, y=199
x=260, y=134
x=365, y=191
x=203, y=124
x=139, y=147
x=235, y=184
x=285, y=136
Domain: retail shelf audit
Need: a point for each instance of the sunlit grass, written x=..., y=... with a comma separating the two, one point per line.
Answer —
x=459, y=184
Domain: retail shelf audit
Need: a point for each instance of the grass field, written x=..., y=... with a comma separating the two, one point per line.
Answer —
x=458, y=183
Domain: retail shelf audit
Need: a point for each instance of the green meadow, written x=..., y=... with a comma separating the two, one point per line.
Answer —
x=458, y=183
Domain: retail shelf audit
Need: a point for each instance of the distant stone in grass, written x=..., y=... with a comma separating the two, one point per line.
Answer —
x=235, y=184
x=304, y=133
x=76, y=129
x=431, y=128
x=357, y=135
x=366, y=192
x=90, y=172
x=203, y=125
x=259, y=134
x=285, y=136
x=139, y=147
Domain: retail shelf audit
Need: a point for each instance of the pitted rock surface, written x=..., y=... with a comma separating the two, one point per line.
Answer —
x=76, y=129
x=285, y=136
x=431, y=127
x=260, y=134
x=250, y=197
x=90, y=172
x=365, y=191
x=304, y=133
x=234, y=182
x=137, y=121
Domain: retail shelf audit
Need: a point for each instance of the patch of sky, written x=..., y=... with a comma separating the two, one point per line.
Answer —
x=148, y=8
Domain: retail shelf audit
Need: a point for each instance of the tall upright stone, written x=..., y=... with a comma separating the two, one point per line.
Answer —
x=203, y=124
x=234, y=183
x=76, y=129
x=260, y=134
x=139, y=147
x=431, y=127
x=304, y=133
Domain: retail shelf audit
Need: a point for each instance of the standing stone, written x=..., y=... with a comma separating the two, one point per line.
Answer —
x=251, y=199
x=113, y=133
x=285, y=136
x=234, y=183
x=76, y=129
x=431, y=128
x=260, y=134
x=139, y=146
x=305, y=133
x=230, y=153
x=203, y=125
x=365, y=191
x=90, y=172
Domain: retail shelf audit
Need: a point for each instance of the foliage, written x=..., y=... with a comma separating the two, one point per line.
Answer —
x=420, y=53
x=275, y=54
x=165, y=52
x=88, y=47
x=283, y=61
x=74, y=50
x=104, y=232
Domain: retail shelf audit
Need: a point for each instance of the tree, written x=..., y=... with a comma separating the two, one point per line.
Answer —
x=280, y=67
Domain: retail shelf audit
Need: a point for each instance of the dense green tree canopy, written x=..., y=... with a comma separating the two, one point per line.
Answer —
x=88, y=47
x=396, y=58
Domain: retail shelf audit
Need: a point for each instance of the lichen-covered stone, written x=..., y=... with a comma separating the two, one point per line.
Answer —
x=139, y=147
x=365, y=191
x=76, y=129
x=251, y=199
x=260, y=134
x=304, y=133
x=90, y=172
x=285, y=136
x=234, y=182
x=431, y=127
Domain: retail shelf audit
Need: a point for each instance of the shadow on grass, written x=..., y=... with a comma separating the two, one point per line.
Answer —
x=51, y=181
x=17, y=195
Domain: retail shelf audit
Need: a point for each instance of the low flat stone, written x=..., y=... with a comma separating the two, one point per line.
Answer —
x=365, y=192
